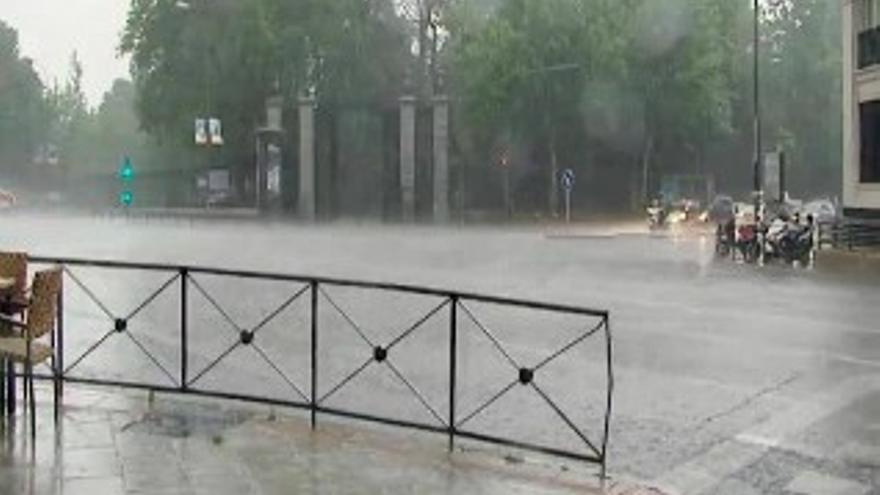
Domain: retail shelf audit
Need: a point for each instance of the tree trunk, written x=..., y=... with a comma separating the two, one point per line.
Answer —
x=646, y=166
x=554, y=177
x=422, y=79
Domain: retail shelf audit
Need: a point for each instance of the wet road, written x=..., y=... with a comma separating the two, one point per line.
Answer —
x=730, y=379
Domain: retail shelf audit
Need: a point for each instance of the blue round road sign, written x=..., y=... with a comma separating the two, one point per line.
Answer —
x=568, y=179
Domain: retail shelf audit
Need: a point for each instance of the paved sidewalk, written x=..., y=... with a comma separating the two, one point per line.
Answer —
x=611, y=230
x=123, y=442
x=829, y=444
x=859, y=262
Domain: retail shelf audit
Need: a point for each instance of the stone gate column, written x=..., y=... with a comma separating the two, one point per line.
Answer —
x=408, y=157
x=307, y=176
x=441, y=159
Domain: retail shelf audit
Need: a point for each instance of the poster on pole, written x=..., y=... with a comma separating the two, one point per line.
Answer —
x=773, y=176
x=219, y=181
x=273, y=170
x=201, y=132
x=216, y=131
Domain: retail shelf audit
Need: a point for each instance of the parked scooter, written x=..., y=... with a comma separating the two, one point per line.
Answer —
x=790, y=240
x=747, y=242
x=725, y=237
x=744, y=230
x=657, y=216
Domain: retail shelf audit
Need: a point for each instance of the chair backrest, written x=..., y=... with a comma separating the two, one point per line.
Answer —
x=14, y=265
x=44, y=302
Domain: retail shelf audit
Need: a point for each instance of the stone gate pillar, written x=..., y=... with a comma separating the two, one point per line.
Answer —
x=307, y=173
x=408, y=157
x=441, y=159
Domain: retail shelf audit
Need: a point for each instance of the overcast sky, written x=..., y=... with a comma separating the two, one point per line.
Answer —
x=50, y=30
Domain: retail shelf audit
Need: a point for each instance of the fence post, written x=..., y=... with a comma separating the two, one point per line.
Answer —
x=610, y=392
x=453, y=365
x=59, y=344
x=314, y=339
x=184, y=340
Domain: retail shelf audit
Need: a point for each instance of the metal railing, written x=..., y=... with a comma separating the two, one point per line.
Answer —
x=459, y=306
x=849, y=235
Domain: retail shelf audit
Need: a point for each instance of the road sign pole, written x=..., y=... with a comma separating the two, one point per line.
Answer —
x=568, y=178
x=568, y=205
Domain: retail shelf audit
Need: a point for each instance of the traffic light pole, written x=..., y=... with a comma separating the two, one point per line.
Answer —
x=757, y=111
x=758, y=179
x=567, y=205
x=126, y=176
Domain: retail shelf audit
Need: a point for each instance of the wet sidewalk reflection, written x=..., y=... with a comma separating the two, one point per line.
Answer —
x=113, y=441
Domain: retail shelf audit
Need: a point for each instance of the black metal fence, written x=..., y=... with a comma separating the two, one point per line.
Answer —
x=849, y=235
x=519, y=370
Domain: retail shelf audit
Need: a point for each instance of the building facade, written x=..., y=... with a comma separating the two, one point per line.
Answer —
x=861, y=112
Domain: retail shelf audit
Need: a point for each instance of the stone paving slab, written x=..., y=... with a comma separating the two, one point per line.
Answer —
x=860, y=454
x=123, y=442
x=812, y=483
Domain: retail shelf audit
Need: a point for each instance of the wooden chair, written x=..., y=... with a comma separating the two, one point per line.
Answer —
x=14, y=265
x=38, y=322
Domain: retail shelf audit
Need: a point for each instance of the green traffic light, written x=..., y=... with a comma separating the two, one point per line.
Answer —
x=126, y=172
x=126, y=198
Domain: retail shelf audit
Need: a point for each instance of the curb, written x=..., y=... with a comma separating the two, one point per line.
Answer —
x=865, y=261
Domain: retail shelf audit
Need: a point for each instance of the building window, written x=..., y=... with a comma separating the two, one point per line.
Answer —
x=869, y=34
x=869, y=114
x=870, y=14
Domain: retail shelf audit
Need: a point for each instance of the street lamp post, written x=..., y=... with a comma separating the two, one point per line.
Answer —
x=757, y=109
x=508, y=203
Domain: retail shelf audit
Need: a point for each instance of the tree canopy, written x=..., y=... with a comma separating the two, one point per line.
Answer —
x=622, y=91
x=596, y=77
x=224, y=58
x=627, y=91
x=24, y=117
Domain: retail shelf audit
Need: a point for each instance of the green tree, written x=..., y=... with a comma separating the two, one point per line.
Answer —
x=72, y=128
x=524, y=70
x=802, y=79
x=24, y=117
x=100, y=139
x=224, y=58
x=684, y=75
x=627, y=90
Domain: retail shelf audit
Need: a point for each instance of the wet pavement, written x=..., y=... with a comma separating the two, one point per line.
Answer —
x=730, y=378
x=112, y=441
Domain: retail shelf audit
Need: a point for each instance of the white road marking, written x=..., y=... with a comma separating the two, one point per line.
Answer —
x=701, y=473
x=812, y=483
x=769, y=443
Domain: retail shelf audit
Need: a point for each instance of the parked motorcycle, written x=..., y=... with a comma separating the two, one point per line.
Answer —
x=725, y=238
x=789, y=241
x=657, y=216
x=747, y=242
